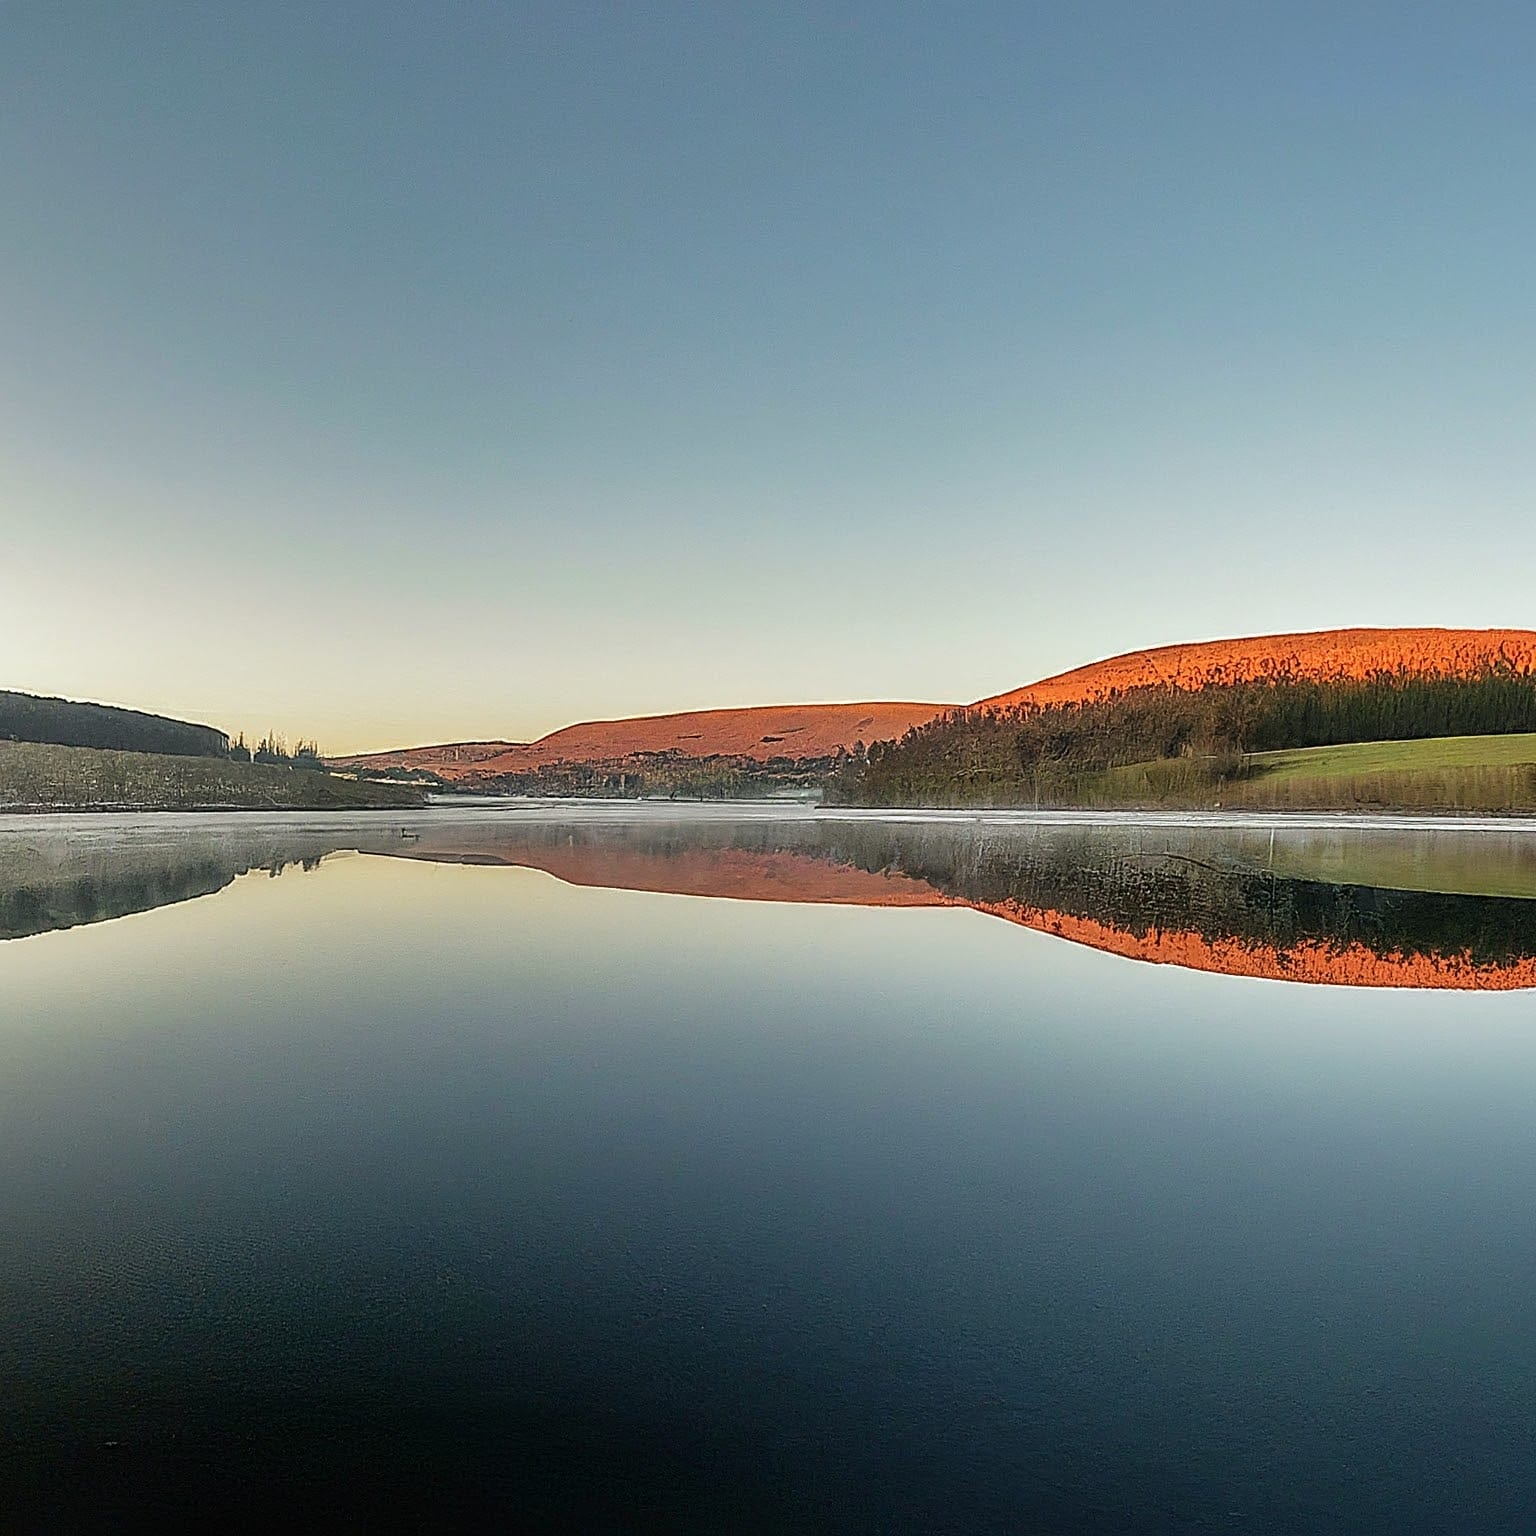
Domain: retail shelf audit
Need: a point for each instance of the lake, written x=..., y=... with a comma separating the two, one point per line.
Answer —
x=754, y=1168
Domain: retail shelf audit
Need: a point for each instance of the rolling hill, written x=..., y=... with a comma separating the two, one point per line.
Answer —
x=450, y=759
x=757, y=734
x=1329, y=655
x=1211, y=724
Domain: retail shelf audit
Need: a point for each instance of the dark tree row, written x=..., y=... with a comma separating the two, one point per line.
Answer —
x=61, y=722
x=273, y=751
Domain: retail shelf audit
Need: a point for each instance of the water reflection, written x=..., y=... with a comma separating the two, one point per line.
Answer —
x=50, y=881
x=1360, y=907
x=487, y=1200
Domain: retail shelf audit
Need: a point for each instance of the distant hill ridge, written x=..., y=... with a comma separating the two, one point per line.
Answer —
x=446, y=756
x=1329, y=655
x=758, y=733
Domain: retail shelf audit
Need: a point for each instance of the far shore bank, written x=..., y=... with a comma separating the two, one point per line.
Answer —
x=38, y=778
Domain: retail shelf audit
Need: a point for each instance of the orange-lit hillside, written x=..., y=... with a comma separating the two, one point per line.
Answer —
x=788, y=730
x=760, y=732
x=1327, y=655
x=439, y=759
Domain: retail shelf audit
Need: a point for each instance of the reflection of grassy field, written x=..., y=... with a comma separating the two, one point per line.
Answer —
x=1470, y=865
x=1451, y=773
x=34, y=776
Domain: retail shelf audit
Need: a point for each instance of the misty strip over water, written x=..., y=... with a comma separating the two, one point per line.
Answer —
x=649, y=1167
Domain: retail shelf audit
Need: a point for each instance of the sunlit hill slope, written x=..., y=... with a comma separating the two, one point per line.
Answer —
x=1330, y=655
x=759, y=734
x=1272, y=721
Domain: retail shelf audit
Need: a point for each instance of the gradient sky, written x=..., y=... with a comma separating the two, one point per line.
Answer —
x=397, y=372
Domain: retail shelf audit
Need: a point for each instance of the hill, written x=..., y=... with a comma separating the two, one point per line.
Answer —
x=758, y=734
x=1190, y=726
x=65, y=723
x=1329, y=655
x=446, y=761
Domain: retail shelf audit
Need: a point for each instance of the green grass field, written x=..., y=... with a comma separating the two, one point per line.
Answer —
x=40, y=777
x=1372, y=757
x=1483, y=774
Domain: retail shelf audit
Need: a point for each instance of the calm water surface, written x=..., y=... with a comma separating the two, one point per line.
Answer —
x=621, y=1170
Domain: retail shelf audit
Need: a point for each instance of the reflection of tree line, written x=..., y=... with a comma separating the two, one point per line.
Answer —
x=1164, y=883
x=38, y=896
x=1135, y=882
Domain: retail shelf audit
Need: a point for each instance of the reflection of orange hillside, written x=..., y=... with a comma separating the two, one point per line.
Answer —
x=1351, y=966
x=740, y=873
x=1328, y=655
x=752, y=875
x=761, y=732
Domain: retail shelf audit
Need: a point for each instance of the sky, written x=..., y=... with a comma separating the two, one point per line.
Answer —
x=390, y=373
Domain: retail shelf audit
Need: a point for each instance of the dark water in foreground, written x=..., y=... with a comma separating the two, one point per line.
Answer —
x=712, y=1175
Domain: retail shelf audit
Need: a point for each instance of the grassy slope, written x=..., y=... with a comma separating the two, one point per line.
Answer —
x=38, y=777
x=1465, y=773
x=1366, y=757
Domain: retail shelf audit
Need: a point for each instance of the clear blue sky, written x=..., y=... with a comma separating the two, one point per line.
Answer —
x=400, y=372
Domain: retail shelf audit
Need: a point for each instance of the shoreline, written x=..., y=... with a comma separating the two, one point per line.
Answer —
x=617, y=812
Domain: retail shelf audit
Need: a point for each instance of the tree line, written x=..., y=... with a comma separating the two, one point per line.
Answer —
x=108, y=727
x=273, y=751
x=64, y=723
